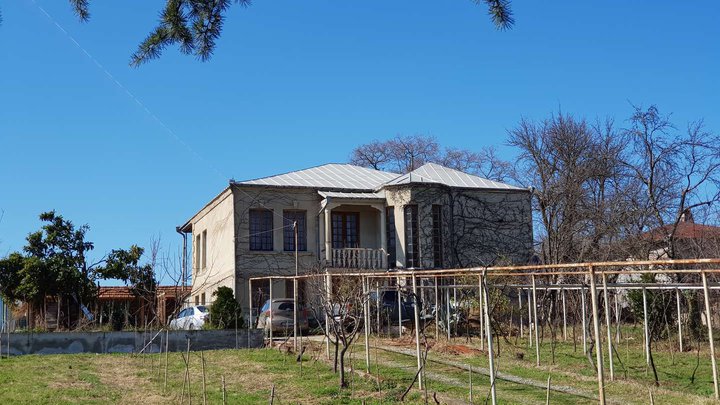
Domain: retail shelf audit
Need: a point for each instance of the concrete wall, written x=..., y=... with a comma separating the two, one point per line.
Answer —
x=128, y=342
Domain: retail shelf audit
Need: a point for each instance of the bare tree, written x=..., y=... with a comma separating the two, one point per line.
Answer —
x=677, y=172
x=406, y=153
x=341, y=300
x=579, y=190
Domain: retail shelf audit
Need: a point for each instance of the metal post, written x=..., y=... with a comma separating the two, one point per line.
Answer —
x=377, y=305
x=295, y=291
x=271, y=312
x=562, y=292
x=584, y=318
x=250, y=323
x=488, y=333
x=417, y=331
x=520, y=310
x=399, y=300
x=608, y=326
x=482, y=310
x=679, y=322
x=437, y=311
x=447, y=311
x=530, y=318
x=535, y=320
x=596, y=333
x=645, y=327
x=617, y=319
x=708, y=318
x=328, y=307
x=366, y=310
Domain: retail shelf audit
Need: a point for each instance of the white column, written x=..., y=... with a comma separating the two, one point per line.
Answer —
x=328, y=234
x=383, y=237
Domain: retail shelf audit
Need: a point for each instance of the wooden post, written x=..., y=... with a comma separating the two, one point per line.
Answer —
x=562, y=292
x=488, y=333
x=417, y=332
x=547, y=392
x=270, y=308
x=608, y=326
x=708, y=318
x=366, y=313
x=471, y=384
x=679, y=322
x=646, y=334
x=535, y=321
x=224, y=395
x=584, y=318
x=202, y=362
x=187, y=371
x=167, y=338
x=596, y=334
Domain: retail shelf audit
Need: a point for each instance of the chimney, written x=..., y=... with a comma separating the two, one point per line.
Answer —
x=687, y=216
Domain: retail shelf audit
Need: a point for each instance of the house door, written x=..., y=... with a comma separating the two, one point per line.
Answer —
x=345, y=230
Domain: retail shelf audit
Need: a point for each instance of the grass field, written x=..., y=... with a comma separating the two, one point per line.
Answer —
x=251, y=375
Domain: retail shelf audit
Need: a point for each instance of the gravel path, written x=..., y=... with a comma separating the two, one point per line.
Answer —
x=481, y=370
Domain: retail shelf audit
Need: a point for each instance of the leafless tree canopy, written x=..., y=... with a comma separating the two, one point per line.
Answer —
x=405, y=153
x=597, y=186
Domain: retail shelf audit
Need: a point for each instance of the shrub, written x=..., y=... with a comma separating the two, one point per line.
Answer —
x=225, y=310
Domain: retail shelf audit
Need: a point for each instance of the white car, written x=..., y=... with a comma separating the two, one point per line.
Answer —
x=191, y=318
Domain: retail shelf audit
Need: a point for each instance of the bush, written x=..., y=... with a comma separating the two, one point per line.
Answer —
x=225, y=310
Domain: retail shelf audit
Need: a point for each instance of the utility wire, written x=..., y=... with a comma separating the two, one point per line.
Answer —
x=132, y=96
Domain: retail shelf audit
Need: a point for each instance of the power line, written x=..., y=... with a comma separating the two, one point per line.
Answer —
x=132, y=96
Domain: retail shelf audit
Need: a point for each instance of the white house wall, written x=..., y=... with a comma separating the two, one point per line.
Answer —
x=217, y=220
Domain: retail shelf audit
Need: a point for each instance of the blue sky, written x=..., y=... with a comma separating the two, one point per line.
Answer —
x=296, y=84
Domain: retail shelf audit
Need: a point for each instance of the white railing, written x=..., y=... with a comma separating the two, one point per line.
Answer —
x=358, y=258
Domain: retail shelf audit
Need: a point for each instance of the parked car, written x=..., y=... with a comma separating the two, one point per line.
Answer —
x=191, y=318
x=282, y=316
x=389, y=306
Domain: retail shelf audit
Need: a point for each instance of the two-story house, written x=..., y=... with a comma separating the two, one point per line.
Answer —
x=354, y=217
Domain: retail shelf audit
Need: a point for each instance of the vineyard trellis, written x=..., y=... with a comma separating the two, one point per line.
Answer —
x=602, y=280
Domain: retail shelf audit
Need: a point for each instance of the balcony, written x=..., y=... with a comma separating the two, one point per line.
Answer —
x=359, y=258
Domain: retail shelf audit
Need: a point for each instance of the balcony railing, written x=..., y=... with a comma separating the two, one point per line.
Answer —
x=359, y=258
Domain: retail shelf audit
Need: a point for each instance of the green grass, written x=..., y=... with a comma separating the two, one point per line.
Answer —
x=250, y=375
x=633, y=380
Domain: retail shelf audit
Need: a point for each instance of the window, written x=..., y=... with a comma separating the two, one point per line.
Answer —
x=412, y=247
x=204, y=250
x=202, y=299
x=261, y=233
x=198, y=241
x=345, y=230
x=289, y=232
x=197, y=300
x=437, y=236
x=390, y=235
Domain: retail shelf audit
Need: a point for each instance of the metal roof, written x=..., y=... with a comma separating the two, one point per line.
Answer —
x=437, y=174
x=329, y=176
x=361, y=196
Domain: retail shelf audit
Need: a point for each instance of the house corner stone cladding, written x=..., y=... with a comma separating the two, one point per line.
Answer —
x=479, y=227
